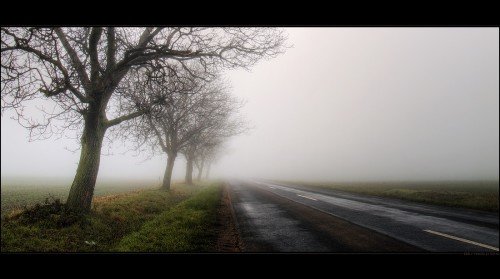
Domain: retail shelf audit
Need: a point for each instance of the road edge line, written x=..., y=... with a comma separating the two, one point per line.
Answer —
x=464, y=240
x=426, y=249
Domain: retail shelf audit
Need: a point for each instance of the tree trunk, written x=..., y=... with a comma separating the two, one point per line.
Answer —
x=208, y=170
x=189, y=171
x=200, y=170
x=82, y=190
x=167, y=177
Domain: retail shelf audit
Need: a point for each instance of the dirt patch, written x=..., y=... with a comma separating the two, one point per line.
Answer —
x=228, y=238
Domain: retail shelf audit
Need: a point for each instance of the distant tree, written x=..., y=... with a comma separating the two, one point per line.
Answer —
x=81, y=68
x=206, y=153
x=209, y=155
x=190, y=110
x=203, y=146
x=209, y=159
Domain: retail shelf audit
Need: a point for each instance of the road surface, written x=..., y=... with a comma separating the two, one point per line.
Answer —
x=276, y=217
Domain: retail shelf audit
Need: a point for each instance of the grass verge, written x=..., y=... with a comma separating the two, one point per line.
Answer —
x=187, y=227
x=112, y=218
x=479, y=195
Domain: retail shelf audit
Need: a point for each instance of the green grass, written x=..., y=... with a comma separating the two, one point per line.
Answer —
x=188, y=227
x=17, y=193
x=113, y=217
x=480, y=195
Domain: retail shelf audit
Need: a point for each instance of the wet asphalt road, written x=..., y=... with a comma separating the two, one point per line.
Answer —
x=268, y=226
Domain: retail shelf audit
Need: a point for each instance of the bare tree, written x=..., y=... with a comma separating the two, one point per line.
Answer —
x=80, y=69
x=208, y=154
x=195, y=152
x=204, y=153
x=211, y=158
x=206, y=142
x=190, y=108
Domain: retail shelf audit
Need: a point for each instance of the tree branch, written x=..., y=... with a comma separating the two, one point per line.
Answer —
x=80, y=69
x=57, y=63
x=133, y=53
x=158, y=135
x=120, y=119
x=95, y=35
x=111, y=51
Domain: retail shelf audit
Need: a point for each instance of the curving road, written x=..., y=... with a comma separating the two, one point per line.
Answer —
x=276, y=217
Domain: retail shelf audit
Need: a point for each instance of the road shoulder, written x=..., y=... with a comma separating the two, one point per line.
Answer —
x=228, y=237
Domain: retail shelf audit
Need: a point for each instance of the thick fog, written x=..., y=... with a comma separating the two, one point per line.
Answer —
x=341, y=104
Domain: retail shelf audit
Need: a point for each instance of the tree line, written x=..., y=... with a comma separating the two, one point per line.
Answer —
x=159, y=88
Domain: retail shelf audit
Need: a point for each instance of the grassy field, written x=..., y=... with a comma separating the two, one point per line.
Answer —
x=480, y=195
x=117, y=223
x=17, y=193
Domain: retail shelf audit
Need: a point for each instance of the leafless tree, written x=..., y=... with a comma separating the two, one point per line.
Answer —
x=210, y=159
x=208, y=154
x=203, y=145
x=81, y=68
x=190, y=109
x=202, y=159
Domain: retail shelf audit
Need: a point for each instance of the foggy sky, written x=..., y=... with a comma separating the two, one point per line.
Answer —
x=342, y=104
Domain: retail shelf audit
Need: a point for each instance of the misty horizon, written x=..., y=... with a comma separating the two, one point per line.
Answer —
x=343, y=104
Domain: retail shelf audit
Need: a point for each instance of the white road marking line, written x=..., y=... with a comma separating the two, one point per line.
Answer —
x=272, y=187
x=307, y=197
x=463, y=240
